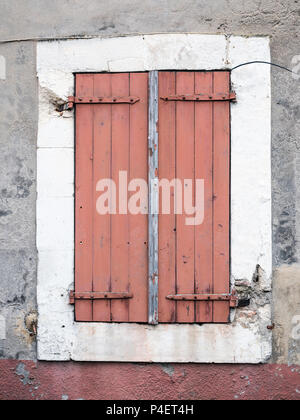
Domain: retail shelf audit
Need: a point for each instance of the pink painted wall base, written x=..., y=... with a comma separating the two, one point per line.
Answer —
x=115, y=381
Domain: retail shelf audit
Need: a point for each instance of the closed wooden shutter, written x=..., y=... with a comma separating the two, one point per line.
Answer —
x=111, y=251
x=194, y=143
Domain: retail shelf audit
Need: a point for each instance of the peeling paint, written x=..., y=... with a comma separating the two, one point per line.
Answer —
x=168, y=369
x=23, y=374
x=31, y=321
x=27, y=334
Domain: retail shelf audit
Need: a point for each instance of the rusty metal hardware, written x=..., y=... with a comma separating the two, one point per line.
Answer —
x=202, y=98
x=98, y=296
x=96, y=100
x=231, y=298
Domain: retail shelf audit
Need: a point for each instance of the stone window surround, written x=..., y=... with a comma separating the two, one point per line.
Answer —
x=246, y=339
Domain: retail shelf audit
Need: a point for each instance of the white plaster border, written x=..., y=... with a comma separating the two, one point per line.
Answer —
x=59, y=337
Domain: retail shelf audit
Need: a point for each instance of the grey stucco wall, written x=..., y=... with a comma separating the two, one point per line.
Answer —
x=24, y=22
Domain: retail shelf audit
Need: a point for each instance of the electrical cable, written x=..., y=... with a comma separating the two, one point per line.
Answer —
x=264, y=62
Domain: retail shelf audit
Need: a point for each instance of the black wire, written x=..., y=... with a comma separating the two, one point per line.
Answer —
x=264, y=62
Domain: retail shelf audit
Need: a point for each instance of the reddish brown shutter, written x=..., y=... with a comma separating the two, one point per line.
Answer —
x=111, y=256
x=194, y=143
x=111, y=250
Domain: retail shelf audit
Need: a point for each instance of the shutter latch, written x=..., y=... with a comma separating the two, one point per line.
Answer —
x=98, y=295
x=231, y=298
x=96, y=100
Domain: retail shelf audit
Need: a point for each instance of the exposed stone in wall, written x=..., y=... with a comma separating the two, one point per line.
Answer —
x=255, y=299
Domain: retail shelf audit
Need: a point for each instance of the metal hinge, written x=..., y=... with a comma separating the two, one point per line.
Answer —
x=201, y=97
x=98, y=296
x=93, y=100
x=231, y=298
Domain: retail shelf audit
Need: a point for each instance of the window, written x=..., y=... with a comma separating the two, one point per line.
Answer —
x=174, y=269
x=60, y=337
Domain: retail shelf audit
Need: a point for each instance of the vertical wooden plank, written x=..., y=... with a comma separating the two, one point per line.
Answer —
x=203, y=170
x=84, y=205
x=153, y=198
x=221, y=185
x=138, y=232
x=185, y=169
x=167, y=222
x=102, y=170
x=119, y=222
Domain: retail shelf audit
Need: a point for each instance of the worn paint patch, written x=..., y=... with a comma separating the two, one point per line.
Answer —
x=23, y=373
x=286, y=348
x=26, y=328
x=168, y=369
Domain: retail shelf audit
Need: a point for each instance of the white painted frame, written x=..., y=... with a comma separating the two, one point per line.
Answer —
x=59, y=337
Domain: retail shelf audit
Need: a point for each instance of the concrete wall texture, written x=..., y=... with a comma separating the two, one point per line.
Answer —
x=23, y=23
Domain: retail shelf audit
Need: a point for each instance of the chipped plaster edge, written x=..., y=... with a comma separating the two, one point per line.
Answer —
x=246, y=340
